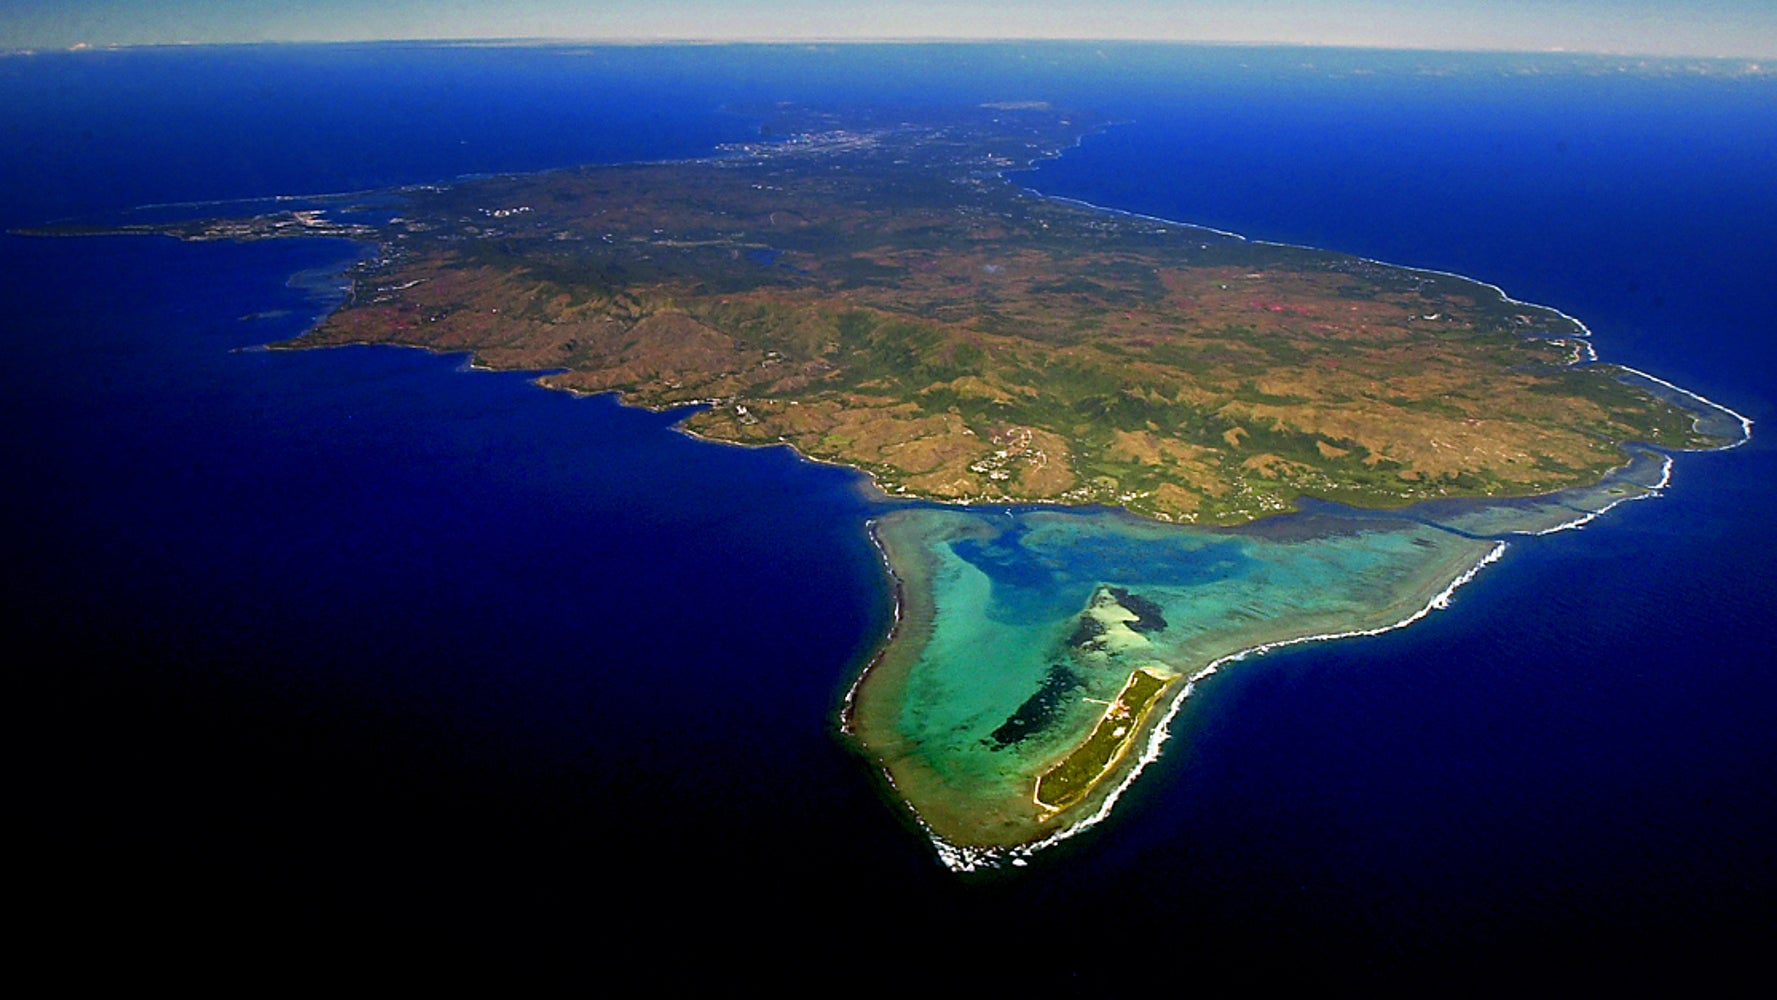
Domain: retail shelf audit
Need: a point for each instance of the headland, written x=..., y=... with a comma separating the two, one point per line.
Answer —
x=1102, y=421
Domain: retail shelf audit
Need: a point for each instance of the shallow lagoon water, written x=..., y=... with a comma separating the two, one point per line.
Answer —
x=414, y=741
x=1009, y=592
x=1023, y=624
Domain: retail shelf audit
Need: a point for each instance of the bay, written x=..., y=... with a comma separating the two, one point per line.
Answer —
x=387, y=654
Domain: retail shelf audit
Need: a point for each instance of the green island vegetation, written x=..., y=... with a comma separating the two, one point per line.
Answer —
x=873, y=291
x=1069, y=781
x=869, y=288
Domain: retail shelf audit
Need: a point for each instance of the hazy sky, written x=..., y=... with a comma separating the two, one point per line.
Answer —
x=1740, y=28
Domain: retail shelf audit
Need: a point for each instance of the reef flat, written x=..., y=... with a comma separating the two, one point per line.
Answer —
x=1038, y=651
x=869, y=288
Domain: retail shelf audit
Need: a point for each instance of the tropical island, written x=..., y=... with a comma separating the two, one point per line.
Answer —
x=870, y=288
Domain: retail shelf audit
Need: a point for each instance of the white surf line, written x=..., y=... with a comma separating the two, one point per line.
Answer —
x=276, y=198
x=1031, y=165
x=959, y=858
x=1665, y=475
x=1745, y=421
x=1649, y=492
x=847, y=706
x=1590, y=355
x=1505, y=296
x=1585, y=331
x=399, y=188
x=1154, y=218
x=962, y=859
x=1576, y=523
x=1591, y=352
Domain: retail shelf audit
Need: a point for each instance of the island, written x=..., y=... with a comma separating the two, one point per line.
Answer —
x=1114, y=452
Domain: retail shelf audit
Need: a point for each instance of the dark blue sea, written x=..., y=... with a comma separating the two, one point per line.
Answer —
x=357, y=654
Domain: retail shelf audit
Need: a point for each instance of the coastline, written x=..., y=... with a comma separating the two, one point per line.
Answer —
x=1745, y=422
x=1125, y=213
x=883, y=676
x=973, y=826
x=1649, y=493
x=1585, y=354
x=961, y=858
x=1591, y=354
x=906, y=592
x=898, y=599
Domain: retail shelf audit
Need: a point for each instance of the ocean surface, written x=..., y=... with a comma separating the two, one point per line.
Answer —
x=358, y=653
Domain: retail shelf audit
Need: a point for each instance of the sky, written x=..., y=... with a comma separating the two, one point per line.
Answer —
x=1720, y=28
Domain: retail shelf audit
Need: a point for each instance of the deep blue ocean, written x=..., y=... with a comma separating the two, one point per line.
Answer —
x=357, y=653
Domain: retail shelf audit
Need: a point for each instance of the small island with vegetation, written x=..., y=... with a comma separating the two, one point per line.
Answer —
x=871, y=288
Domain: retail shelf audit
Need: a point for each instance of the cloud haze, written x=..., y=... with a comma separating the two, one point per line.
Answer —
x=1729, y=28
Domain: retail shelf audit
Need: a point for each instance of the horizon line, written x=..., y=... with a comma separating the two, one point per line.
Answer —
x=660, y=41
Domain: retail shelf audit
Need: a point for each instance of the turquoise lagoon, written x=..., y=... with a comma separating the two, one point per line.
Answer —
x=1017, y=627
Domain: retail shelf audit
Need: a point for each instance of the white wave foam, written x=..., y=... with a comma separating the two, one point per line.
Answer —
x=1590, y=516
x=896, y=599
x=965, y=859
x=1585, y=331
x=1745, y=421
x=1591, y=353
x=1665, y=474
x=1577, y=522
x=1125, y=213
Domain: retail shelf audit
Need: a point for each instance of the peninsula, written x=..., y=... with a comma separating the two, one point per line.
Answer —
x=870, y=288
